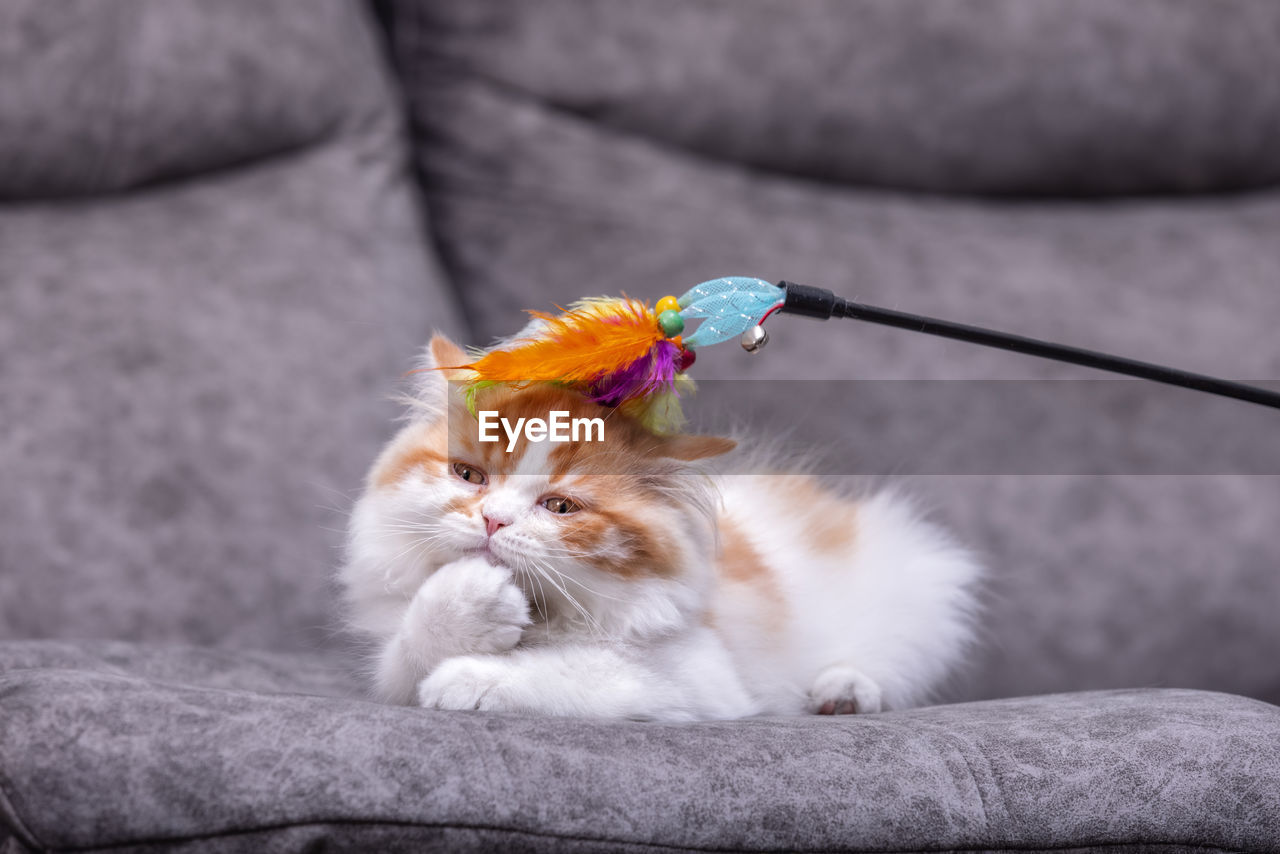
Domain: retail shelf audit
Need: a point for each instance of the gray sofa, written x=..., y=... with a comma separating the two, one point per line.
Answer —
x=226, y=228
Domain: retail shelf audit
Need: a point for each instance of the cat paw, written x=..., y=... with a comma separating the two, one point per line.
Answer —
x=842, y=690
x=465, y=683
x=470, y=605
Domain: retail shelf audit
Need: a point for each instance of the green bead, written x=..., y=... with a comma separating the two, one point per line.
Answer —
x=671, y=323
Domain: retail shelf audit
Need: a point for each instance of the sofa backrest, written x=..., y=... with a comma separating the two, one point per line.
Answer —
x=1072, y=171
x=213, y=274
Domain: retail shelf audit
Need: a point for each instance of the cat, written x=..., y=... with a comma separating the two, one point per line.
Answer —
x=625, y=578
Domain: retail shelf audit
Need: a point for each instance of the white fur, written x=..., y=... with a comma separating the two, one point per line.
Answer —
x=888, y=619
x=528, y=628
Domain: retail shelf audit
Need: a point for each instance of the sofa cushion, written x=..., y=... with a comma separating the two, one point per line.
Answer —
x=974, y=96
x=194, y=376
x=1144, y=576
x=111, y=747
x=108, y=96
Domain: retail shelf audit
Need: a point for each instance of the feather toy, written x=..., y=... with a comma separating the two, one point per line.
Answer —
x=615, y=351
x=622, y=353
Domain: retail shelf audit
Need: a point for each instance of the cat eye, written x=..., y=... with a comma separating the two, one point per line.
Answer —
x=470, y=474
x=561, y=505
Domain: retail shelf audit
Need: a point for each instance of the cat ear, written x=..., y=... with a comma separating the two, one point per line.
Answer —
x=690, y=447
x=443, y=353
x=433, y=380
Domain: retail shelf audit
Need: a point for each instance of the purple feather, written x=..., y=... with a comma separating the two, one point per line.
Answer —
x=653, y=372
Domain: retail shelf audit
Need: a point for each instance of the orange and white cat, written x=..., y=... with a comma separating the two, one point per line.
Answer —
x=622, y=578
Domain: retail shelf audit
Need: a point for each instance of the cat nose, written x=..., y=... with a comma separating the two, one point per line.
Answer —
x=491, y=525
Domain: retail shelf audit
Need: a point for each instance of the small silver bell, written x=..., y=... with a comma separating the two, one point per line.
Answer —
x=754, y=339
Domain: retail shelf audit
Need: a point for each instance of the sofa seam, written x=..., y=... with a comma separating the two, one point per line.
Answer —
x=977, y=784
x=657, y=846
x=120, y=96
x=9, y=812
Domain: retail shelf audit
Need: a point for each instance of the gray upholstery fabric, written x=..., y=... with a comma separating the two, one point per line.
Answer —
x=193, y=376
x=552, y=173
x=240, y=768
x=108, y=96
x=978, y=96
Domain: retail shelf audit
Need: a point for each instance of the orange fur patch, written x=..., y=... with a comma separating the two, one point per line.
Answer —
x=411, y=451
x=648, y=550
x=831, y=521
x=464, y=504
x=740, y=563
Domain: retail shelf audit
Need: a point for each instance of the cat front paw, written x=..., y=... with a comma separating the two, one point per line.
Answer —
x=470, y=605
x=467, y=683
x=844, y=690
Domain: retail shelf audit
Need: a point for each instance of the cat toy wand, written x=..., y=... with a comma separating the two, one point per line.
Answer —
x=729, y=304
x=624, y=353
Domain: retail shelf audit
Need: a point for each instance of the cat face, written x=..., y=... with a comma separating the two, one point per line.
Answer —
x=575, y=521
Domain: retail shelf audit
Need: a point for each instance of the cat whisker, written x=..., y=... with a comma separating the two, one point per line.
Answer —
x=545, y=608
x=412, y=550
x=592, y=591
x=592, y=623
x=411, y=527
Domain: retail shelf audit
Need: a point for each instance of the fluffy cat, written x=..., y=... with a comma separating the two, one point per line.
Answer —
x=620, y=578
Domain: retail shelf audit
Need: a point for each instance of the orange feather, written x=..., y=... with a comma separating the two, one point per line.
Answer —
x=597, y=337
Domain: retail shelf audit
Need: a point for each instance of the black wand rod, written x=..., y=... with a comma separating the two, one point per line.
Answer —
x=823, y=304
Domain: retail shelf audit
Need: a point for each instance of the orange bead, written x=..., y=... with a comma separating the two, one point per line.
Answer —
x=666, y=304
